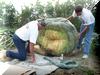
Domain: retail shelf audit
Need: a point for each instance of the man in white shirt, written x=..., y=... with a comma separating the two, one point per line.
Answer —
x=28, y=32
x=87, y=27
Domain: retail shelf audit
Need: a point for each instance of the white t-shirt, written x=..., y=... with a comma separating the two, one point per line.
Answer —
x=28, y=32
x=86, y=17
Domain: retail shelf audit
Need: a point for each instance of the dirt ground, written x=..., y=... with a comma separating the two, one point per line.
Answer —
x=88, y=66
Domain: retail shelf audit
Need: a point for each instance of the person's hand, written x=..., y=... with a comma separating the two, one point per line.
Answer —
x=36, y=46
x=33, y=58
x=79, y=35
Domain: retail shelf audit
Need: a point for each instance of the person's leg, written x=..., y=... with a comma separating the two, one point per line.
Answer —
x=81, y=38
x=20, y=44
x=87, y=41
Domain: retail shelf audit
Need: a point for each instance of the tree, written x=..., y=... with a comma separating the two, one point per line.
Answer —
x=25, y=16
x=10, y=16
x=1, y=8
x=49, y=10
x=39, y=9
x=63, y=10
x=58, y=10
x=85, y=3
x=2, y=5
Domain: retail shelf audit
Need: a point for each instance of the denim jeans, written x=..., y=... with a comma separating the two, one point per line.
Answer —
x=87, y=39
x=20, y=44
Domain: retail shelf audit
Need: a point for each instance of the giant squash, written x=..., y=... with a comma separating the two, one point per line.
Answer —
x=59, y=37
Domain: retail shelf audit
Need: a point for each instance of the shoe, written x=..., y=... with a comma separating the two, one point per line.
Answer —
x=85, y=56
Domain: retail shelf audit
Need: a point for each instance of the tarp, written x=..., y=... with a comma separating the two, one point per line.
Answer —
x=41, y=66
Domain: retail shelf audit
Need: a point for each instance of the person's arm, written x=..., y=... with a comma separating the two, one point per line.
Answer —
x=70, y=17
x=84, y=30
x=32, y=49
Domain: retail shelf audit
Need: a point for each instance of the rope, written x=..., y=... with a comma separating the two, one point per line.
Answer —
x=63, y=64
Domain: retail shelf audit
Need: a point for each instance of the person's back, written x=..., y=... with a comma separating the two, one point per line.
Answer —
x=28, y=32
x=87, y=16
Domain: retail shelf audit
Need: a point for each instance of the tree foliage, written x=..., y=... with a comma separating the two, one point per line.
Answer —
x=2, y=4
x=49, y=10
x=85, y=3
x=64, y=10
x=10, y=16
x=39, y=8
x=25, y=16
x=39, y=11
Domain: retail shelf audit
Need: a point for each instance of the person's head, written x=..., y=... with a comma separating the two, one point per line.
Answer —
x=41, y=24
x=78, y=10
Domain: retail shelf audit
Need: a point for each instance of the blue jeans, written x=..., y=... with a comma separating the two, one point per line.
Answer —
x=87, y=39
x=20, y=44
